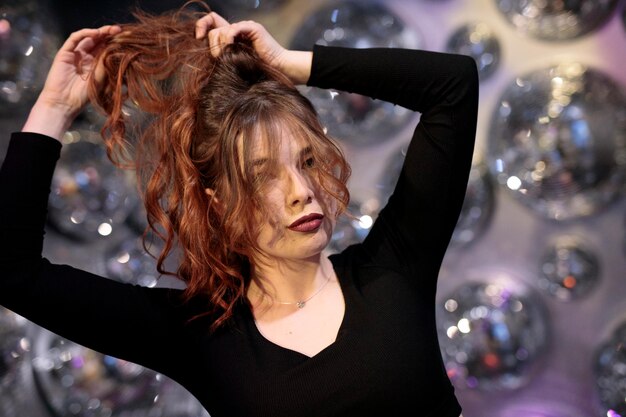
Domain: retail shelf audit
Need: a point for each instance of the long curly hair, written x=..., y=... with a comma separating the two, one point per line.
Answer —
x=201, y=115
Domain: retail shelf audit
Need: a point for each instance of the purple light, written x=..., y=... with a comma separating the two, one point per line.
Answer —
x=612, y=413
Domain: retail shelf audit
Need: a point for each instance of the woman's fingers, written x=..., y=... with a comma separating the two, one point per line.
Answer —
x=263, y=43
x=75, y=38
x=220, y=37
x=206, y=23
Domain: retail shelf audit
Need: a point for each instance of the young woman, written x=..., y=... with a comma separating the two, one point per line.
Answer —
x=238, y=174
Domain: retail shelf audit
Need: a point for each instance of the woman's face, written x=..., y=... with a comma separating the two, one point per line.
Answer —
x=300, y=227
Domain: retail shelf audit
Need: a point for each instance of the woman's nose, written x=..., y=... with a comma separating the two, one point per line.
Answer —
x=300, y=190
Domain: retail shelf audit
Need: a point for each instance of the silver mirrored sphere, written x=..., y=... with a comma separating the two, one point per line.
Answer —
x=128, y=261
x=478, y=206
x=555, y=20
x=14, y=349
x=477, y=41
x=28, y=43
x=90, y=197
x=76, y=381
x=491, y=335
x=353, y=226
x=568, y=269
x=558, y=140
x=361, y=24
x=610, y=373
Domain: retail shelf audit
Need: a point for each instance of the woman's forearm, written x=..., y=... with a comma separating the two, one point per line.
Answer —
x=297, y=66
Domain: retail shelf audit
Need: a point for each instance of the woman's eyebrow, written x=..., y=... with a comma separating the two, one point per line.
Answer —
x=258, y=162
x=305, y=151
x=262, y=161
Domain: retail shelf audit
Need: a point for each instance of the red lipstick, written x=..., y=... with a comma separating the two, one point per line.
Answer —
x=309, y=223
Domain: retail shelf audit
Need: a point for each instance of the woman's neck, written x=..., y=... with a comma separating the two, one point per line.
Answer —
x=285, y=282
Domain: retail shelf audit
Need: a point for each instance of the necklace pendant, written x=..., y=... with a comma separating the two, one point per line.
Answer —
x=301, y=304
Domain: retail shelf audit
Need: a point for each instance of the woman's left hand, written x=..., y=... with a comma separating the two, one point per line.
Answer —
x=295, y=64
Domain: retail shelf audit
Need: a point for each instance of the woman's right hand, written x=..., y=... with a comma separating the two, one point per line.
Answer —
x=65, y=92
x=294, y=64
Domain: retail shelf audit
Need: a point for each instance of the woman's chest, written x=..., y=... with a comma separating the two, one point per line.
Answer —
x=380, y=354
x=308, y=328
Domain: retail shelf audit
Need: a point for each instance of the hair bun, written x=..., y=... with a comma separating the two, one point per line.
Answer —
x=244, y=62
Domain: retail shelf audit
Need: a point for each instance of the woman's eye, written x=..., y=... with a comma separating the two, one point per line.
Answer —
x=309, y=163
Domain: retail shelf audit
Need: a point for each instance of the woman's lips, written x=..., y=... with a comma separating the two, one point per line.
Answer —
x=308, y=223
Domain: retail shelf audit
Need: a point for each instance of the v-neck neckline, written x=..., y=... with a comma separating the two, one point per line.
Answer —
x=341, y=279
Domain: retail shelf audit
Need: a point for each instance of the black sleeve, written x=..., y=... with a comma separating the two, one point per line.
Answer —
x=413, y=231
x=130, y=322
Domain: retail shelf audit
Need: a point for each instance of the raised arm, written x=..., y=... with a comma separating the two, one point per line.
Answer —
x=65, y=91
x=413, y=231
x=134, y=323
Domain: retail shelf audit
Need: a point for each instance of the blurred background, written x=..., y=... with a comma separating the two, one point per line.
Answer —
x=532, y=292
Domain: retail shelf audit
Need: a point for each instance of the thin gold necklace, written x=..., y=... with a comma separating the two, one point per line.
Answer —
x=302, y=303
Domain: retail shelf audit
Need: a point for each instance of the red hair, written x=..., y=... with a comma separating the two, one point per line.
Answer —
x=201, y=115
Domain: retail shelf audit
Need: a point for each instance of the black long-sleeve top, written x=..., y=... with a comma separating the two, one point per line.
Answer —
x=386, y=357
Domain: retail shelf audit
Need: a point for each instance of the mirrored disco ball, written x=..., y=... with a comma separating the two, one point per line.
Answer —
x=556, y=20
x=28, y=43
x=610, y=373
x=558, y=140
x=478, y=206
x=127, y=261
x=360, y=24
x=477, y=41
x=568, y=269
x=491, y=335
x=90, y=197
x=136, y=121
x=14, y=348
x=76, y=381
x=354, y=225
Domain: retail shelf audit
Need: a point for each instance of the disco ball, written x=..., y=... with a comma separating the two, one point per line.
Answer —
x=127, y=261
x=76, y=381
x=477, y=41
x=491, y=335
x=558, y=140
x=353, y=226
x=568, y=269
x=28, y=44
x=610, y=373
x=90, y=197
x=557, y=20
x=14, y=347
x=478, y=206
x=360, y=24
